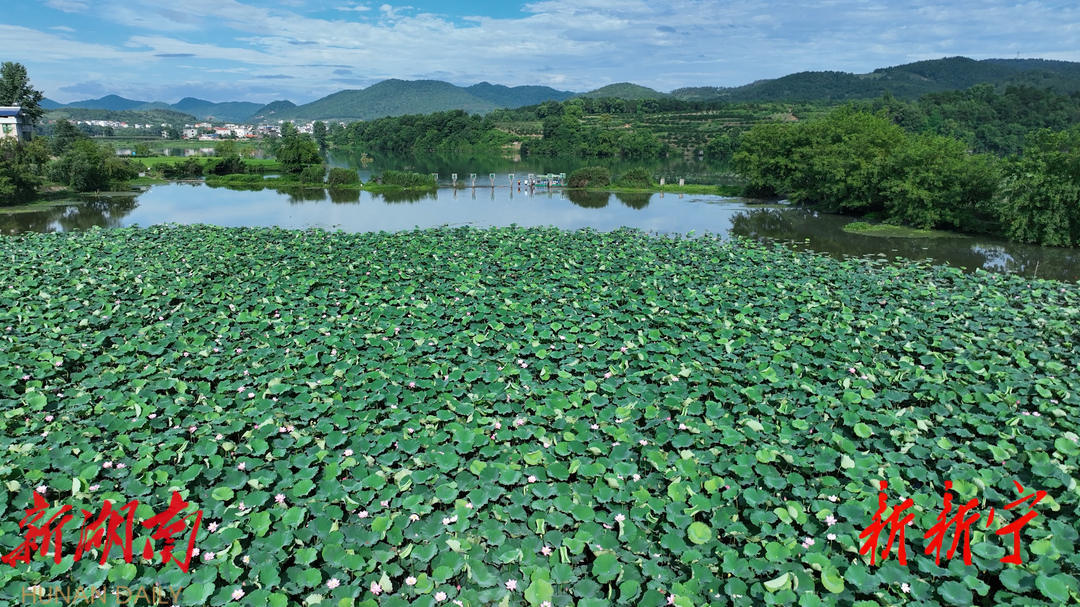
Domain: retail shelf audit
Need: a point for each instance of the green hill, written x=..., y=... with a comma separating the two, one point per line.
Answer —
x=272, y=110
x=390, y=98
x=908, y=81
x=108, y=102
x=517, y=96
x=154, y=116
x=625, y=90
x=229, y=111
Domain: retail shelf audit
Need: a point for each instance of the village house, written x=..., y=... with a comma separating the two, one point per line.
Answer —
x=13, y=123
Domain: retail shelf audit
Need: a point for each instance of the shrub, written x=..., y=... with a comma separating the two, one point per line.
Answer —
x=315, y=173
x=408, y=179
x=231, y=165
x=590, y=177
x=340, y=176
x=636, y=178
x=188, y=169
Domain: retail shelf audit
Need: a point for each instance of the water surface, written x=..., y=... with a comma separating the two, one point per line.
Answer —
x=354, y=211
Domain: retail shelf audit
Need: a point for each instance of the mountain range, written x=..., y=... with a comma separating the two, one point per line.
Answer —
x=397, y=97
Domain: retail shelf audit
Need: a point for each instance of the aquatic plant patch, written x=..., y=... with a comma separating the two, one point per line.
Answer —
x=535, y=417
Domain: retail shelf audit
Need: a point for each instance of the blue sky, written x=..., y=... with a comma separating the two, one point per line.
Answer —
x=231, y=50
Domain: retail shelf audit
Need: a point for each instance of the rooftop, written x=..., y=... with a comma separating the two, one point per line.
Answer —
x=7, y=111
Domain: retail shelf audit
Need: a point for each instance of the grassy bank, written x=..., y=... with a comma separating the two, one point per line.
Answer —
x=716, y=190
x=262, y=165
x=527, y=416
x=893, y=231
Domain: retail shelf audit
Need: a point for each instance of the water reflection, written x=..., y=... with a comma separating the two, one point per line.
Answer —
x=822, y=232
x=634, y=201
x=100, y=212
x=356, y=211
x=343, y=196
x=589, y=200
x=399, y=196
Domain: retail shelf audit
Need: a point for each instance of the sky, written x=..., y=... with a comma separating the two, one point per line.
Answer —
x=301, y=50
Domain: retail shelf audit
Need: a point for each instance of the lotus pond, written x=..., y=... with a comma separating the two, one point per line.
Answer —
x=529, y=416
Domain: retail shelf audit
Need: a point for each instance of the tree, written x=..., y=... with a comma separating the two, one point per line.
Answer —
x=295, y=151
x=318, y=130
x=64, y=135
x=1039, y=200
x=87, y=166
x=226, y=149
x=15, y=89
x=21, y=169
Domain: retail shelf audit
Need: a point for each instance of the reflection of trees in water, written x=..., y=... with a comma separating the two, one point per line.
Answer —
x=589, y=200
x=694, y=170
x=344, y=195
x=634, y=201
x=393, y=197
x=100, y=212
x=824, y=233
x=302, y=195
x=1029, y=260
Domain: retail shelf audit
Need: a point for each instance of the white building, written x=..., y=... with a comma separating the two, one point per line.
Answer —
x=13, y=123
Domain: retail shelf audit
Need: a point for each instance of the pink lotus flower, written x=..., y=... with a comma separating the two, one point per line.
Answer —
x=532, y=478
x=48, y=418
x=546, y=550
x=620, y=518
x=376, y=589
x=440, y=596
x=333, y=583
x=280, y=498
x=94, y=487
x=511, y=585
x=121, y=465
x=348, y=452
x=830, y=520
x=238, y=594
x=362, y=514
x=42, y=489
x=414, y=517
x=410, y=581
x=241, y=466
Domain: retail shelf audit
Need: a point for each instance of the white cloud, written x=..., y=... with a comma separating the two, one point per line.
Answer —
x=574, y=44
x=68, y=6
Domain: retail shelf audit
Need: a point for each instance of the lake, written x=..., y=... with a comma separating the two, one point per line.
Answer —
x=190, y=203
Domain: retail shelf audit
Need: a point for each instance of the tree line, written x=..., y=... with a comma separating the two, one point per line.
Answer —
x=862, y=163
